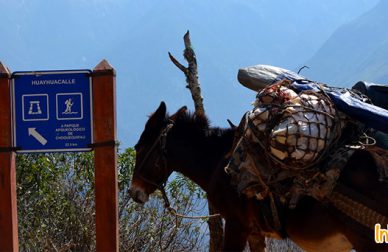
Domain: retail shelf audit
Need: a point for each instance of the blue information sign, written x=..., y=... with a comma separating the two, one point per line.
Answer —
x=52, y=111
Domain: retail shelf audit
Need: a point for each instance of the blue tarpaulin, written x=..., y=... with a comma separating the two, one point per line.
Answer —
x=370, y=115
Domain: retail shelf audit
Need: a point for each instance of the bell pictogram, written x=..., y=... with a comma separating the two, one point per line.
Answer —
x=35, y=108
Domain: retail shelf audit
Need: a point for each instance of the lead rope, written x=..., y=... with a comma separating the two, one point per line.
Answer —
x=173, y=211
x=177, y=215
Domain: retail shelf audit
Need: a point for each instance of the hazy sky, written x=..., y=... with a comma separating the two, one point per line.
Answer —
x=135, y=37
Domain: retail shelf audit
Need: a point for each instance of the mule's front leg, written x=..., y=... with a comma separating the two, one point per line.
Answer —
x=256, y=243
x=236, y=235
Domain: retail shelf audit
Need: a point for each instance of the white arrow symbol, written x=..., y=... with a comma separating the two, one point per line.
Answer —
x=37, y=136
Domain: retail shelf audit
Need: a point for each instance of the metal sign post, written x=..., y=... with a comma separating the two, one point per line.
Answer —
x=8, y=210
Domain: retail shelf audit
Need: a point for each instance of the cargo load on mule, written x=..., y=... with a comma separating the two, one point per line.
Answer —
x=299, y=136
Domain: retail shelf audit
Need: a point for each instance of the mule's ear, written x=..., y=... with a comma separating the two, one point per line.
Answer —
x=180, y=111
x=162, y=108
x=231, y=124
x=157, y=118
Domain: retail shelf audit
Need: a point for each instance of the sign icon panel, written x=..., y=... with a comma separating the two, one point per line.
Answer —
x=69, y=106
x=52, y=111
x=35, y=107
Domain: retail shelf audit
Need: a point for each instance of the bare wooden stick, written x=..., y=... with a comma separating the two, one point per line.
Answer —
x=215, y=229
x=191, y=73
x=177, y=64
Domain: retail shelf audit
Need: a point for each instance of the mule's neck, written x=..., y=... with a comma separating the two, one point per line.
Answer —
x=198, y=152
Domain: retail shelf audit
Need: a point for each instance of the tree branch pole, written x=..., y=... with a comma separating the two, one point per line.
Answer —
x=191, y=73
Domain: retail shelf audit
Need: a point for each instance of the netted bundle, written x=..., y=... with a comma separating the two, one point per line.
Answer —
x=295, y=129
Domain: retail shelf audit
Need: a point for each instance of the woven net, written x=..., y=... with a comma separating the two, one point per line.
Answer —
x=294, y=129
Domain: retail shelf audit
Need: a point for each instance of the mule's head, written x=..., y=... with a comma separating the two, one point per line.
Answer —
x=152, y=169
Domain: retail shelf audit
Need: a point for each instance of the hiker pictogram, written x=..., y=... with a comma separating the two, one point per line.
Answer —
x=69, y=106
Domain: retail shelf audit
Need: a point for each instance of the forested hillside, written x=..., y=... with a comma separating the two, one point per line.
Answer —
x=56, y=207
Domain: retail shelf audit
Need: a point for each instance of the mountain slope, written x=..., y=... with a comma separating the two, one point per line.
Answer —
x=356, y=51
x=226, y=36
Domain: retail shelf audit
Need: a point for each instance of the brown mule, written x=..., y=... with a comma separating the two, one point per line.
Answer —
x=185, y=143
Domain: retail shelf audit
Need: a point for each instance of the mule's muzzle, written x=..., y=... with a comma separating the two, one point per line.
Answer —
x=138, y=195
